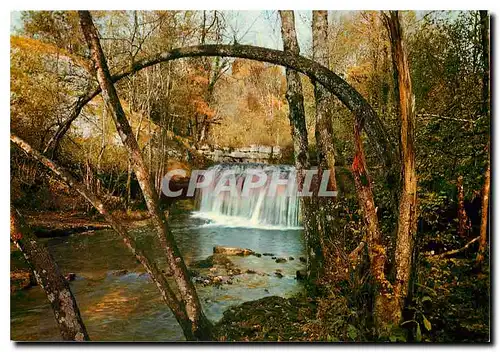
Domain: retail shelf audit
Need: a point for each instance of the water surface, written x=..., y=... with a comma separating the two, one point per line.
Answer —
x=127, y=306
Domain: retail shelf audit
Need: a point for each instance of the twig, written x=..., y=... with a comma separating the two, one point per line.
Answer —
x=456, y=251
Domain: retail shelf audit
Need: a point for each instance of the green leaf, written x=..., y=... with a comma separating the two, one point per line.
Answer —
x=427, y=323
x=418, y=337
x=352, y=332
x=425, y=299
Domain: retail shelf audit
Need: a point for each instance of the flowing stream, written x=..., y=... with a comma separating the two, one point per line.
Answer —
x=117, y=300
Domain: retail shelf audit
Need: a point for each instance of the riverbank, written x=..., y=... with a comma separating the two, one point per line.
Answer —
x=64, y=223
x=450, y=305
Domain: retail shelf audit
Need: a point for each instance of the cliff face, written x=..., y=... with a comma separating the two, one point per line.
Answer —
x=253, y=153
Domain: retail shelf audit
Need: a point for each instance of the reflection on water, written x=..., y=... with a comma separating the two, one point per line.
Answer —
x=126, y=306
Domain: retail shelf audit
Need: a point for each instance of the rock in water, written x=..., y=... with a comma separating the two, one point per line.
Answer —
x=281, y=260
x=119, y=272
x=70, y=277
x=300, y=275
x=232, y=251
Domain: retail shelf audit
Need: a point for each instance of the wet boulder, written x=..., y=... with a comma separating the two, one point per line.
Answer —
x=216, y=260
x=232, y=251
x=281, y=260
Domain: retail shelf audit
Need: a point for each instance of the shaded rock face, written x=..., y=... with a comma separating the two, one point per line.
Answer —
x=216, y=260
x=253, y=153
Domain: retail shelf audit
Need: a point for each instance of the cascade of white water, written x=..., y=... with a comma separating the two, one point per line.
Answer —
x=259, y=208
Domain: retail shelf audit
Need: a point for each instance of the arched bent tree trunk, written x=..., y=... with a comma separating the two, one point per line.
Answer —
x=364, y=113
x=149, y=265
x=50, y=279
x=200, y=325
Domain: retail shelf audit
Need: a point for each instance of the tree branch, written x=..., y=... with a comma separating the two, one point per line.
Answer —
x=352, y=99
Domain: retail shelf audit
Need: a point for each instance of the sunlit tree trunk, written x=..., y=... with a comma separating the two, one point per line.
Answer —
x=383, y=293
x=407, y=219
x=50, y=279
x=485, y=41
x=483, y=237
x=296, y=115
x=201, y=326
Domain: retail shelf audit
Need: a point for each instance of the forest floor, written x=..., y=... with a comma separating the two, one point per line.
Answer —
x=453, y=298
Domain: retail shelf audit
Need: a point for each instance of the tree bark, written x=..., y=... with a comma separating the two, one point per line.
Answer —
x=50, y=279
x=363, y=112
x=483, y=236
x=151, y=268
x=297, y=117
x=335, y=265
x=463, y=219
x=485, y=46
x=407, y=220
x=200, y=325
x=323, y=98
x=383, y=293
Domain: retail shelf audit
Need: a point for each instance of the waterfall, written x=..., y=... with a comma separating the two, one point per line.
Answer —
x=259, y=208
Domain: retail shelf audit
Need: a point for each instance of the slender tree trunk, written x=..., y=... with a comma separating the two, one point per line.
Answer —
x=333, y=245
x=486, y=111
x=485, y=45
x=201, y=326
x=483, y=237
x=297, y=119
x=383, y=293
x=463, y=219
x=323, y=98
x=50, y=279
x=407, y=220
x=151, y=268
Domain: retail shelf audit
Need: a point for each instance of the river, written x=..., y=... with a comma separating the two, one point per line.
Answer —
x=126, y=306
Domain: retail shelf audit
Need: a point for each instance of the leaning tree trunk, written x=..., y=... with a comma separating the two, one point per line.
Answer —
x=296, y=115
x=149, y=265
x=201, y=326
x=407, y=220
x=50, y=279
x=335, y=265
